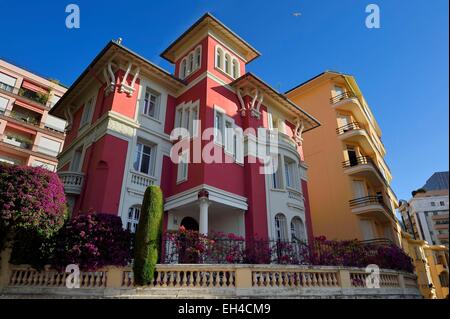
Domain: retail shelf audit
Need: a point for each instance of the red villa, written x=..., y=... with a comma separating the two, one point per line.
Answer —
x=122, y=109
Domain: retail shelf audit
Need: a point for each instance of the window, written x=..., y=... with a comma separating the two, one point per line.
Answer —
x=219, y=58
x=235, y=69
x=134, y=212
x=87, y=112
x=297, y=230
x=182, y=171
x=48, y=146
x=277, y=177
x=433, y=204
x=198, y=57
x=186, y=116
x=7, y=82
x=226, y=63
x=145, y=158
x=3, y=104
x=442, y=203
x=291, y=173
x=75, y=165
x=191, y=62
x=151, y=103
x=218, y=127
x=229, y=137
x=183, y=69
x=281, y=227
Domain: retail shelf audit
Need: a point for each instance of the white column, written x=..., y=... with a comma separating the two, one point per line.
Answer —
x=203, y=226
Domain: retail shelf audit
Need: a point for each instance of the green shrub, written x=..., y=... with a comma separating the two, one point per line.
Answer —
x=148, y=236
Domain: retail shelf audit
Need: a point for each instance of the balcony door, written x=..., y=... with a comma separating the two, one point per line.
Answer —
x=367, y=229
x=343, y=121
x=352, y=156
x=338, y=91
x=359, y=189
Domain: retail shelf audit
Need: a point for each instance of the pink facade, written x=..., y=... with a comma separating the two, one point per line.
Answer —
x=119, y=139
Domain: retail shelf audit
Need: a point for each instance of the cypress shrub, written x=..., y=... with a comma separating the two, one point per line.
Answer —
x=148, y=236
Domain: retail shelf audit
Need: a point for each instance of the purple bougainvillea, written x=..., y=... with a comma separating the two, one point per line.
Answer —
x=92, y=241
x=32, y=199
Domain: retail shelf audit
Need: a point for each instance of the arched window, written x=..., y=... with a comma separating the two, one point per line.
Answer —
x=297, y=230
x=227, y=63
x=198, y=57
x=219, y=58
x=281, y=227
x=134, y=212
x=191, y=63
x=183, y=69
x=235, y=69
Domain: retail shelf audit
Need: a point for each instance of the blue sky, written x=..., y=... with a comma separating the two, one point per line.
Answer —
x=402, y=68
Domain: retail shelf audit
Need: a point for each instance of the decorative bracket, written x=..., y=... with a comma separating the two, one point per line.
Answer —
x=255, y=110
x=299, y=127
x=243, y=109
x=109, y=78
x=254, y=106
x=124, y=87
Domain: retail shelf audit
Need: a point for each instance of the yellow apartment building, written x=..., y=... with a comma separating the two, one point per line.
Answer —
x=431, y=266
x=349, y=180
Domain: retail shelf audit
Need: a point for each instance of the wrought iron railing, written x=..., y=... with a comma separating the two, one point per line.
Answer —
x=370, y=200
x=349, y=127
x=258, y=251
x=343, y=96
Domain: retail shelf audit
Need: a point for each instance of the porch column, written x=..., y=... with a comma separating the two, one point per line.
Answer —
x=203, y=204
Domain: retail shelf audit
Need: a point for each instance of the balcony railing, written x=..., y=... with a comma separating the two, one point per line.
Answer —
x=343, y=96
x=370, y=200
x=364, y=160
x=72, y=181
x=349, y=127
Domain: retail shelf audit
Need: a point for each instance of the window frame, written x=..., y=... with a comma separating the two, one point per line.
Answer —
x=191, y=108
x=183, y=167
x=281, y=227
x=86, y=118
x=132, y=221
x=152, y=158
x=151, y=92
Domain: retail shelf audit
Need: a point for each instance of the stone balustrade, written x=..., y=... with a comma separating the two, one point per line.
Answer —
x=214, y=280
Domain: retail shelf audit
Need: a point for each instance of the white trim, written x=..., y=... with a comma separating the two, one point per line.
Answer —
x=215, y=195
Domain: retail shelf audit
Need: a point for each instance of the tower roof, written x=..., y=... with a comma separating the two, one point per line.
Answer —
x=209, y=23
x=437, y=181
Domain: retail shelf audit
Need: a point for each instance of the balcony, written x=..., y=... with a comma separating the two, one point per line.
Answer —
x=72, y=181
x=344, y=96
x=17, y=142
x=283, y=140
x=371, y=206
x=139, y=181
x=363, y=166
